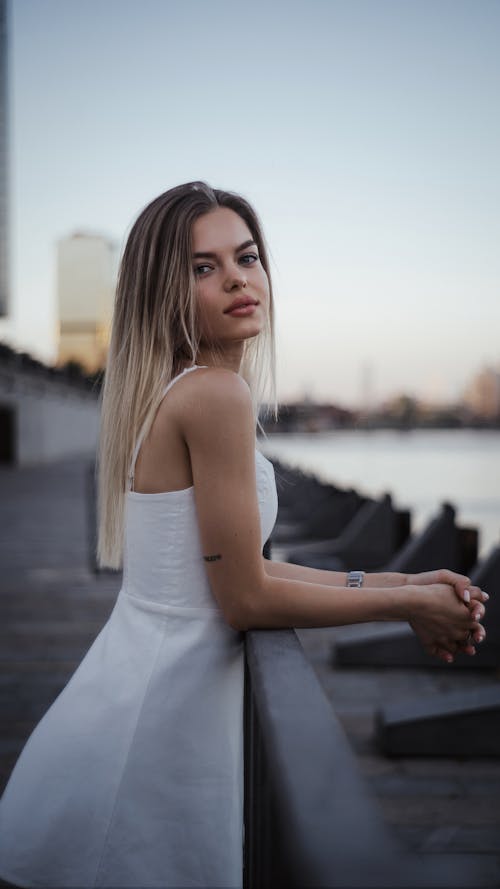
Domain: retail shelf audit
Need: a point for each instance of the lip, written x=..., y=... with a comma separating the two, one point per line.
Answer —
x=241, y=311
x=241, y=303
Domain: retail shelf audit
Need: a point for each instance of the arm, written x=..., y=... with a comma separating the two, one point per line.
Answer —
x=382, y=580
x=464, y=590
x=219, y=430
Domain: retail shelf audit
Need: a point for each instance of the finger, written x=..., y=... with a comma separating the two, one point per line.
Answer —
x=475, y=629
x=447, y=576
x=477, y=610
x=476, y=632
x=462, y=587
x=442, y=653
x=477, y=593
x=467, y=648
x=479, y=634
x=445, y=655
x=450, y=644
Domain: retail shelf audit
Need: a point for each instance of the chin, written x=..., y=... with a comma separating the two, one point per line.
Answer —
x=258, y=328
x=248, y=330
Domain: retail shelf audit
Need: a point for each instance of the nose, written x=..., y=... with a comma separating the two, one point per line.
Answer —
x=236, y=278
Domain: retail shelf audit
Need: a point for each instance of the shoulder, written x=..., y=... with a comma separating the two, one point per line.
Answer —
x=216, y=382
x=213, y=395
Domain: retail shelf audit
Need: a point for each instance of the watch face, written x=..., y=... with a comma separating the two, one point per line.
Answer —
x=355, y=578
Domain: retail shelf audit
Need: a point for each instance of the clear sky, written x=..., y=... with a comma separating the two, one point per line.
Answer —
x=365, y=132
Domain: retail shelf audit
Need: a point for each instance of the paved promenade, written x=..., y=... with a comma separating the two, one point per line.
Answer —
x=53, y=605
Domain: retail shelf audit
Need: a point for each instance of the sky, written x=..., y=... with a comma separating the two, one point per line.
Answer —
x=366, y=134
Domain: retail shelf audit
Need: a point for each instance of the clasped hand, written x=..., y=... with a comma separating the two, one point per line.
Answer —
x=448, y=613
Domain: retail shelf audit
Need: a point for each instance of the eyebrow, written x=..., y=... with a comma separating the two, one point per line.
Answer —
x=214, y=255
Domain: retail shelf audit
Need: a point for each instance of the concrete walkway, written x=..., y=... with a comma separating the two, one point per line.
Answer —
x=51, y=604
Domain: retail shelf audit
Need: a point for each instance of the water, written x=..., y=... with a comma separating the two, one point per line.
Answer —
x=421, y=469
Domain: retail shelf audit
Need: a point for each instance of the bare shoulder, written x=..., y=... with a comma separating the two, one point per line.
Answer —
x=216, y=383
x=214, y=396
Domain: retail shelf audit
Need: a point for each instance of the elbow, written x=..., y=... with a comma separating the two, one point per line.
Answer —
x=241, y=626
x=243, y=615
x=245, y=610
x=238, y=619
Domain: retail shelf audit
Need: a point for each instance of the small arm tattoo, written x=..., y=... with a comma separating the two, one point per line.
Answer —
x=213, y=558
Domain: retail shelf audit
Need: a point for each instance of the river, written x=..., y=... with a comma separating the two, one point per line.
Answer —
x=420, y=468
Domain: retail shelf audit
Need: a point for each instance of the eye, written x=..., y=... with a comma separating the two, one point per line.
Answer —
x=199, y=269
x=251, y=256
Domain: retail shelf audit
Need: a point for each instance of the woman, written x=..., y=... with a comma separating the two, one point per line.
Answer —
x=134, y=778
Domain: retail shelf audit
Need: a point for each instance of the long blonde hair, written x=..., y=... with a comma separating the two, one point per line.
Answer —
x=155, y=334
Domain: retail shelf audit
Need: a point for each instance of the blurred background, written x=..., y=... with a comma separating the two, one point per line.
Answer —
x=366, y=134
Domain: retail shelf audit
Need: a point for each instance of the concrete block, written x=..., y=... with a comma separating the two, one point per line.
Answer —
x=391, y=647
x=449, y=724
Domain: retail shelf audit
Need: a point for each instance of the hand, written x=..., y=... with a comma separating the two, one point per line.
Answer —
x=471, y=595
x=444, y=623
x=461, y=584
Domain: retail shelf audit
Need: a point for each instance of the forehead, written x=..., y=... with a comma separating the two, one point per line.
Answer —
x=219, y=229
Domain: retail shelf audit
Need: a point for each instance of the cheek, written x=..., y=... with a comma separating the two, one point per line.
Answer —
x=203, y=298
x=205, y=308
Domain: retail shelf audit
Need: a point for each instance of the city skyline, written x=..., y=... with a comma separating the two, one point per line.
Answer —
x=365, y=135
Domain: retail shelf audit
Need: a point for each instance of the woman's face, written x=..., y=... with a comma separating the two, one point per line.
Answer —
x=232, y=286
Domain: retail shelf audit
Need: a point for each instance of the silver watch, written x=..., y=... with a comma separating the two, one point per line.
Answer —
x=355, y=578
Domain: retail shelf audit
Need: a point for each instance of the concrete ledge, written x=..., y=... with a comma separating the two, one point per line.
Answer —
x=449, y=724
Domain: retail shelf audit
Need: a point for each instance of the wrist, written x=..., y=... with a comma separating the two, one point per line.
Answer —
x=386, y=579
x=393, y=604
x=412, y=601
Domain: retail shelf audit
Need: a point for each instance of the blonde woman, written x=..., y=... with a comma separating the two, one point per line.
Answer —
x=134, y=777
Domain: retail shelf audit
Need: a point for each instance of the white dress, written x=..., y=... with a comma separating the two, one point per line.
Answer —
x=134, y=776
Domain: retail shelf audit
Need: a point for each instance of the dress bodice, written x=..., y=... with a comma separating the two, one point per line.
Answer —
x=163, y=559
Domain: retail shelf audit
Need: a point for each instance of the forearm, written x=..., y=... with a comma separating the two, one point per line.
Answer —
x=379, y=580
x=283, y=602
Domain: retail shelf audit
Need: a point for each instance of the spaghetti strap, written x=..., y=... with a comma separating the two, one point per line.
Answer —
x=141, y=433
x=185, y=371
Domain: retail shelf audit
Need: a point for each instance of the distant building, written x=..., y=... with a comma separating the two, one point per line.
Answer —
x=307, y=416
x=4, y=161
x=46, y=413
x=482, y=395
x=86, y=277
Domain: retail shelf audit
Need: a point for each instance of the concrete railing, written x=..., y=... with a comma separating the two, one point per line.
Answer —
x=309, y=818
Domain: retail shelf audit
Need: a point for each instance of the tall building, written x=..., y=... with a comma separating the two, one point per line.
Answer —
x=4, y=161
x=86, y=275
x=482, y=395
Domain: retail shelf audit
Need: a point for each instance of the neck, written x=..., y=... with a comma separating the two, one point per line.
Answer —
x=228, y=356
